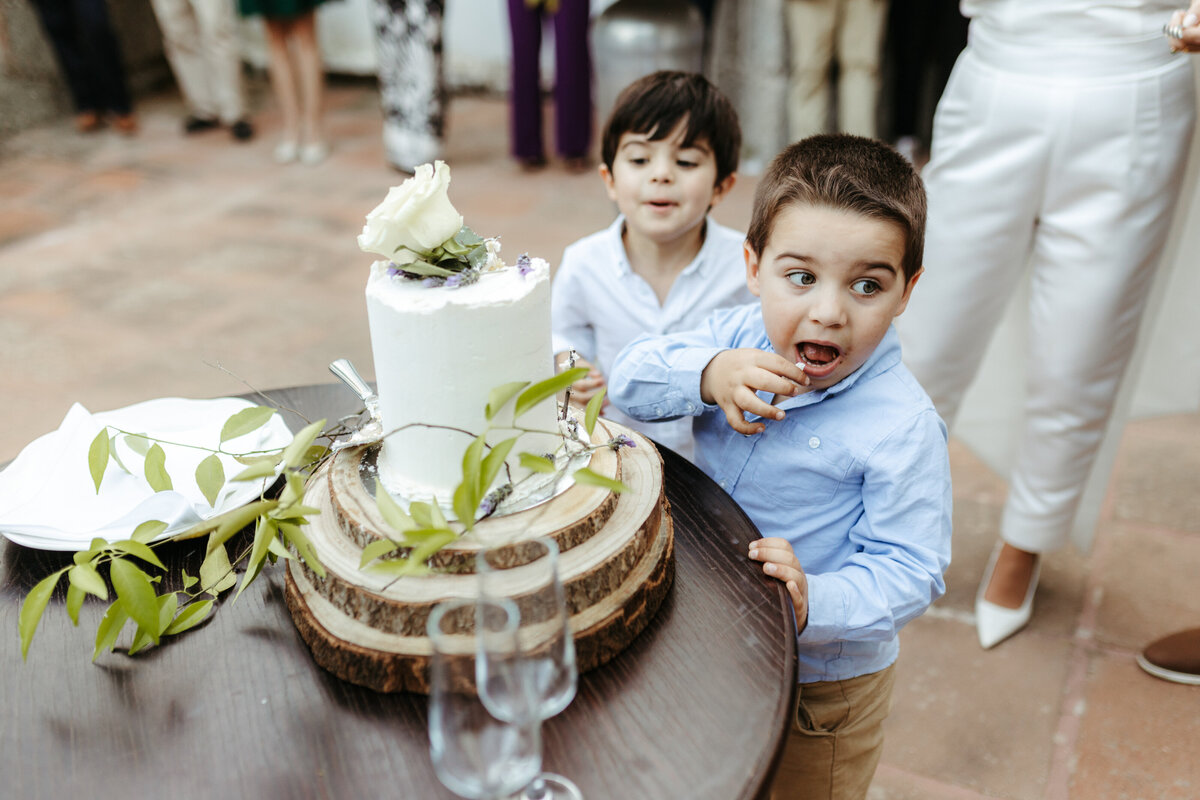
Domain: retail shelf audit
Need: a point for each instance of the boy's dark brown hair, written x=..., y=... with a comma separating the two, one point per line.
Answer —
x=848, y=173
x=654, y=105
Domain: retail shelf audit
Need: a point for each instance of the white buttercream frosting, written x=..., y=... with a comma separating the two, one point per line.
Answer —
x=438, y=352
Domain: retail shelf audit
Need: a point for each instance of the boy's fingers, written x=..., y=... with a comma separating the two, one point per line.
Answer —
x=736, y=421
x=782, y=572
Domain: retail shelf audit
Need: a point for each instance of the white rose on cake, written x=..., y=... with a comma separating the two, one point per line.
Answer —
x=415, y=218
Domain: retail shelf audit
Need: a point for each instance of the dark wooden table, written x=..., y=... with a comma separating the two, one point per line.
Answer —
x=697, y=707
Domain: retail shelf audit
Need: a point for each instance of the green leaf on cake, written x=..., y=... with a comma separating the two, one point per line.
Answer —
x=467, y=237
x=98, y=457
x=210, y=477
x=586, y=476
x=545, y=389
x=391, y=511
x=465, y=501
x=500, y=395
x=293, y=454
x=494, y=462
x=592, y=412
x=245, y=421
x=425, y=269
x=472, y=466
x=536, y=463
x=295, y=536
x=377, y=549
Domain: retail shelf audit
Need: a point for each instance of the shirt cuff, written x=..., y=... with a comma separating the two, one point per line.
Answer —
x=686, y=372
x=828, y=614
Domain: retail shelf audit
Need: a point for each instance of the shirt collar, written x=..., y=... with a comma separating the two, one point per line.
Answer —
x=704, y=260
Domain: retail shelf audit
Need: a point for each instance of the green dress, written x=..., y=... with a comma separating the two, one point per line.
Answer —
x=276, y=9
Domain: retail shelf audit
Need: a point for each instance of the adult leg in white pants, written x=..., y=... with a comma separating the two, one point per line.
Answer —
x=811, y=25
x=1101, y=180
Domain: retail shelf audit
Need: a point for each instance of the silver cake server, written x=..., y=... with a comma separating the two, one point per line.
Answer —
x=371, y=430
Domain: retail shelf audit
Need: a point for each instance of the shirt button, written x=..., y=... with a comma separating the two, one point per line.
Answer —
x=690, y=407
x=723, y=485
x=658, y=410
x=814, y=443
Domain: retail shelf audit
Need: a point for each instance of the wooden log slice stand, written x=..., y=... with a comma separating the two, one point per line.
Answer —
x=616, y=565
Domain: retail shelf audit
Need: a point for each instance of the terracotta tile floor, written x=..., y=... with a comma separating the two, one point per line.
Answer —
x=160, y=265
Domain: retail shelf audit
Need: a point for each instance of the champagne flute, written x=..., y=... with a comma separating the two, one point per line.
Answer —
x=534, y=677
x=474, y=754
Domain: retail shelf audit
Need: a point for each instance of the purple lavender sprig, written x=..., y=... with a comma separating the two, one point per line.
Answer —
x=524, y=264
x=621, y=440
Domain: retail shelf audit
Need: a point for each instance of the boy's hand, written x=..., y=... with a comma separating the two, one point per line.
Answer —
x=733, y=376
x=779, y=561
x=586, y=387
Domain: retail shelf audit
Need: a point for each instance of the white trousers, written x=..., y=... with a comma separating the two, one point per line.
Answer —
x=1070, y=171
x=200, y=39
x=821, y=32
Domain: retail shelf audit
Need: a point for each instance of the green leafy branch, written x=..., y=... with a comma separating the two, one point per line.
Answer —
x=278, y=523
x=423, y=530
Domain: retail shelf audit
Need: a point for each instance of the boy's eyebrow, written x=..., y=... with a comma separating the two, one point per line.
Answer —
x=883, y=265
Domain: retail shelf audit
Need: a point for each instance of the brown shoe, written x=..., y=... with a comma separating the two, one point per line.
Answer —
x=87, y=122
x=126, y=123
x=1174, y=658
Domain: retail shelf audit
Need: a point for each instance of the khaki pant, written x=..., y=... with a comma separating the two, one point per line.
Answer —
x=201, y=42
x=821, y=32
x=836, y=738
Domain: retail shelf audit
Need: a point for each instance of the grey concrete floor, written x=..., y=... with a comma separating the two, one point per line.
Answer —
x=163, y=265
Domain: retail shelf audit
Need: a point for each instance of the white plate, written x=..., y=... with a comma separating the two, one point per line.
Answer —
x=48, y=500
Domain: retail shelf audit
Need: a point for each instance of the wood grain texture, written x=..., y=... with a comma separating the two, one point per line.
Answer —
x=695, y=707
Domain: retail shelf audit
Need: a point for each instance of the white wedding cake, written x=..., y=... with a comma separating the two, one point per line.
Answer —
x=438, y=352
x=442, y=341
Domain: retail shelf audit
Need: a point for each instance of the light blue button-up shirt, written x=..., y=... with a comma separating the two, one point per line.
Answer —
x=856, y=477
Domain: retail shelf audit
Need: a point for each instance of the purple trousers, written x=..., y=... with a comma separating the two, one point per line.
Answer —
x=572, y=79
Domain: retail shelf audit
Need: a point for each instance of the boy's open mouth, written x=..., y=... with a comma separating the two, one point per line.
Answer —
x=820, y=360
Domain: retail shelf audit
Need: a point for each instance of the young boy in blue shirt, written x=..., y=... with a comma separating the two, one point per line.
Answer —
x=670, y=151
x=806, y=416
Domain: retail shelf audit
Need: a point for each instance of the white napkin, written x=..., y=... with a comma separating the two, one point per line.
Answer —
x=48, y=500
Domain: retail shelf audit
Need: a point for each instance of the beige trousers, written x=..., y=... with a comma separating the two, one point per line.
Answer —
x=200, y=38
x=821, y=32
x=836, y=738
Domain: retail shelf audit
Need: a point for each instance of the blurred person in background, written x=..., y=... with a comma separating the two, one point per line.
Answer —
x=87, y=51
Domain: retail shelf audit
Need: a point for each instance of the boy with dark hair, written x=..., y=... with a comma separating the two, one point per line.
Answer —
x=805, y=415
x=670, y=153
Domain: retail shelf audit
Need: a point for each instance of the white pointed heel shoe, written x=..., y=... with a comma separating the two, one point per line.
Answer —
x=996, y=623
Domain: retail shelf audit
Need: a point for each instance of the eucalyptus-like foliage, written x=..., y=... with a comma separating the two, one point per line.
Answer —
x=422, y=531
x=136, y=573
x=134, y=570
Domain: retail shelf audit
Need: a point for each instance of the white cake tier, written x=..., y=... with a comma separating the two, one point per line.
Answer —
x=438, y=353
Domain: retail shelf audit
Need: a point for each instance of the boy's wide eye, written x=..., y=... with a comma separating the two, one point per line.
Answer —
x=866, y=286
x=801, y=278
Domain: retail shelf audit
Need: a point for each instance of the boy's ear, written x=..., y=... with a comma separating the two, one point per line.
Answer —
x=607, y=176
x=908, y=291
x=751, y=268
x=722, y=189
